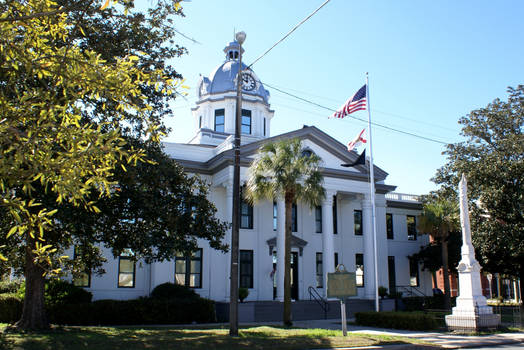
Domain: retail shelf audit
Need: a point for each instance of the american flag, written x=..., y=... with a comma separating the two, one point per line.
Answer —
x=355, y=103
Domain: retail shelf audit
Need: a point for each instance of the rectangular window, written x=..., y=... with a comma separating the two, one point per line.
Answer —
x=246, y=215
x=188, y=269
x=246, y=122
x=126, y=269
x=389, y=225
x=83, y=279
x=219, y=120
x=320, y=279
x=336, y=261
x=275, y=214
x=335, y=229
x=359, y=269
x=264, y=126
x=200, y=122
x=294, y=221
x=412, y=227
x=413, y=273
x=246, y=269
x=318, y=219
x=357, y=226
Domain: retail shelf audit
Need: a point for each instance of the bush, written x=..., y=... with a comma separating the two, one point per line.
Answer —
x=413, y=303
x=171, y=290
x=397, y=320
x=58, y=292
x=10, y=286
x=382, y=291
x=242, y=294
x=10, y=308
x=137, y=311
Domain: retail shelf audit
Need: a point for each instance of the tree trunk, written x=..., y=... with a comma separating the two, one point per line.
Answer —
x=447, y=294
x=287, y=263
x=33, y=313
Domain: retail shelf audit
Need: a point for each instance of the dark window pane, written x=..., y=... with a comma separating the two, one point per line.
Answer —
x=389, y=226
x=246, y=269
x=335, y=225
x=412, y=227
x=319, y=268
x=357, y=214
x=413, y=273
x=318, y=219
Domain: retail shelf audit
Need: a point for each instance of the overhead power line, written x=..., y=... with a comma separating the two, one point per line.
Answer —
x=360, y=119
x=288, y=34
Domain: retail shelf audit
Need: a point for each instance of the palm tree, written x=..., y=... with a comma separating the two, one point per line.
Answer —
x=440, y=217
x=283, y=169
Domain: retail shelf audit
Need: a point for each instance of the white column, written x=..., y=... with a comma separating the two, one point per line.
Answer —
x=328, y=249
x=369, y=266
x=281, y=220
x=229, y=214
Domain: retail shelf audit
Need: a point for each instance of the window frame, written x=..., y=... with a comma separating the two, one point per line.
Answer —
x=223, y=115
x=126, y=256
x=360, y=230
x=275, y=216
x=76, y=253
x=246, y=211
x=318, y=219
x=294, y=217
x=250, y=275
x=389, y=226
x=319, y=265
x=246, y=113
x=360, y=256
x=187, y=273
x=411, y=227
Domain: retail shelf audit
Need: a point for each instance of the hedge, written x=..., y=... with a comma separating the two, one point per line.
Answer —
x=10, y=307
x=118, y=312
x=423, y=303
x=397, y=320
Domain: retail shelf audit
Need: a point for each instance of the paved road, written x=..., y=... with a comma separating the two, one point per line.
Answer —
x=506, y=347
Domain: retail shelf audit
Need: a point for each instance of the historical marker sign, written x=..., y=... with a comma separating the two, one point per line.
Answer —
x=341, y=284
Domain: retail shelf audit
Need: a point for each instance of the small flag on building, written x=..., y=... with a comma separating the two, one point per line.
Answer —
x=361, y=160
x=355, y=103
x=360, y=139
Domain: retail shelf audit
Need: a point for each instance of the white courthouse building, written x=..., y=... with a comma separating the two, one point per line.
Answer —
x=337, y=232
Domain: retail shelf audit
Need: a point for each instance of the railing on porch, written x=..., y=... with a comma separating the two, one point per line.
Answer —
x=410, y=291
x=314, y=295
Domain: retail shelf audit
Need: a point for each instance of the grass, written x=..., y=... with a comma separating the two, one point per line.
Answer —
x=103, y=338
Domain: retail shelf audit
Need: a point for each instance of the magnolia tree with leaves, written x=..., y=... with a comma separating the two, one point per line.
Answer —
x=283, y=170
x=492, y=159
x=77, y=84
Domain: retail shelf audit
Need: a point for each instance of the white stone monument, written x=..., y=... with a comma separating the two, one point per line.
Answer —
x=472, y=312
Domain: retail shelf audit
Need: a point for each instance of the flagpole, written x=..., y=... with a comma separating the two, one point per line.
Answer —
x=372, y=195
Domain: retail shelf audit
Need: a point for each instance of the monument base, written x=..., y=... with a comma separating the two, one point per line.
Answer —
x=472, y=322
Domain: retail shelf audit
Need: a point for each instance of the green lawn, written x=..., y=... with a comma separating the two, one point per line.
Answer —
x=102, y=338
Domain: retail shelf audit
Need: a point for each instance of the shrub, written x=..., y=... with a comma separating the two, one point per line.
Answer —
x=10, y=308
x=382, y=291
x=12, y=286
x=242, y=294
x=171, y=290
x=137, y=311
x=397, y=320
x=413, y=303
x=58, y=292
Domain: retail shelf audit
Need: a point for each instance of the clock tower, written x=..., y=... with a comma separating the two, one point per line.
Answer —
x=214, y=112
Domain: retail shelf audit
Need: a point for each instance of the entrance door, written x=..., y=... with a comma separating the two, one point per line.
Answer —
x=294, y=275
x=391, y=274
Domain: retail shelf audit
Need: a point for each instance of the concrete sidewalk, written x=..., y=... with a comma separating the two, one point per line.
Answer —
x=444, y=340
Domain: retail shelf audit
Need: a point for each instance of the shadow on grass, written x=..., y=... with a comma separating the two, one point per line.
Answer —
x=105, y=338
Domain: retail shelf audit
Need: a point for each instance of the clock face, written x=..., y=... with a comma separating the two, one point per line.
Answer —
x=248, y=82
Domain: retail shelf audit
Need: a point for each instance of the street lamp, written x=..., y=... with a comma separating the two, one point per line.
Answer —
x=233, y=299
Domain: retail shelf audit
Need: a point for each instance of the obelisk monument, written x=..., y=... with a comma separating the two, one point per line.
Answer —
x=472, y=312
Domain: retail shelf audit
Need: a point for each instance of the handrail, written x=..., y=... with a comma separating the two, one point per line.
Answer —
x=410, y=290
x=314, y=295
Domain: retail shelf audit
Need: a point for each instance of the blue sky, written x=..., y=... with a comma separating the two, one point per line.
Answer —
x=430, y=63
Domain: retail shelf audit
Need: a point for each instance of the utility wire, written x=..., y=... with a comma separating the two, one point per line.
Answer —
x=362, y=120
x=288, y=34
